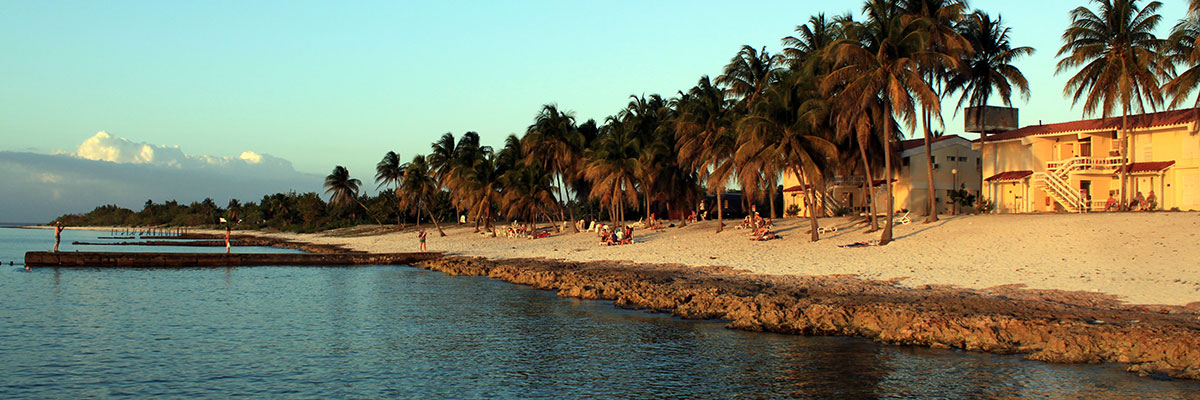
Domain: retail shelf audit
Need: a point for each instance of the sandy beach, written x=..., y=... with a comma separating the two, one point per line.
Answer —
x=1139, y=258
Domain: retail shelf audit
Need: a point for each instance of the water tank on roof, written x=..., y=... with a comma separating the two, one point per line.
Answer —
x=990, y=119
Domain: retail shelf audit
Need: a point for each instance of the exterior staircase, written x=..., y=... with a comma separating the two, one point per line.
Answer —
x=1057, y=179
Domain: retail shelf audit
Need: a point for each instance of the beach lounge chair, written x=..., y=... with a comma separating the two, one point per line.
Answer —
x=902, y=219
x=826, y=229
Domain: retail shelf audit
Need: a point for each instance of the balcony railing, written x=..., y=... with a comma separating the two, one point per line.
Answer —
x=1085, y=163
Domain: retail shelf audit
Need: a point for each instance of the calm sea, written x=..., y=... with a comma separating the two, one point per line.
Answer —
x=402, y=332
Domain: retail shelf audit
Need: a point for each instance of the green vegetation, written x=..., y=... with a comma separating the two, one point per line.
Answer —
x=834, y=101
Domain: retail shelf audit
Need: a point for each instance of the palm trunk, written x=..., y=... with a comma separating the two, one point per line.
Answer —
x=771, y=201
x=982, y=140
x=886, y=236
x=720, y=216
x=368, y=212
x=811, y=198
x=931, y=193
x=1124, y=154
x=435, y=221
x=869, y=186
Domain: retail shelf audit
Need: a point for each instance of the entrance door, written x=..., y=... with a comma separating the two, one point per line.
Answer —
x=1085, y=191
x=1066, y=151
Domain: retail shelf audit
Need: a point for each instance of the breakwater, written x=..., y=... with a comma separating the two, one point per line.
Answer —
x=184, y=260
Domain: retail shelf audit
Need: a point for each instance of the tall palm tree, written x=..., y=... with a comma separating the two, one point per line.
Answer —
x=344, y=190
x=389, y=172
x=748, y=75
x=1119, y=60
x=811, y=40
x=706, y=142
x=480, y=183
x=786, y=128
x=612, y=166
x=441, y=160
x=1184, y=50
x=938, y=19
x=881, y=60
x=989, y=68
x=554, y=144
x=418, y=189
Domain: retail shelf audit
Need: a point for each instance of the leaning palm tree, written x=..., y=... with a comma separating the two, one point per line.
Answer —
x=706, y=142
x=881, y=60
x=1119, y=60
x=344, y=190
x=1184, y=50
x=989, y=68
x=418, y=189
x=389, y=172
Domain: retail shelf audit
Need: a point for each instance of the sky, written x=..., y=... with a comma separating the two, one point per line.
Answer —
x=320, y=84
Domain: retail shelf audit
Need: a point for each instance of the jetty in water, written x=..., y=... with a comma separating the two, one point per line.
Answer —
x=189, y=260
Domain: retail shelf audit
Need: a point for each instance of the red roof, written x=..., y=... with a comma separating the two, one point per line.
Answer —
x=1009, y=176
x=919, y=142
x=797, y=188
x=1140, y=121
x=1150, y=166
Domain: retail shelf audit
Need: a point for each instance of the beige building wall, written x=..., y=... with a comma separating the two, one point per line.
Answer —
x=956, y=165
x=1176, y=187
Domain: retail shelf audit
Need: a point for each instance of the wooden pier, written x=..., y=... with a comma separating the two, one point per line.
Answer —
x=191, y=260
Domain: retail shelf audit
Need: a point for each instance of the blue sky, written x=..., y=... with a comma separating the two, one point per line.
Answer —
x=328, y=83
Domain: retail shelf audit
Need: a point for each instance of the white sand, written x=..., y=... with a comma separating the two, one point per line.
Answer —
x=1143, y=258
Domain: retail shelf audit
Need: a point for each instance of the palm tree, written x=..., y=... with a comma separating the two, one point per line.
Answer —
x=938, y=19
x=881, y=59
x=554, y=144
x=988, y=69
x=811, y=40
x=1119, y=59
x=418, y=189
x=388, y=172
x=705, y=141
x=748, y=75
x=526, y=189
x=786, y=128
x=1184, y=50
x=611, y=166
x=344, y=190
x=480, y=184
x=441, y=160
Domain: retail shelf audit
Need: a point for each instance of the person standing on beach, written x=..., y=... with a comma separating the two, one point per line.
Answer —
x=58, y=228
x=226, y=239
x=421, y=237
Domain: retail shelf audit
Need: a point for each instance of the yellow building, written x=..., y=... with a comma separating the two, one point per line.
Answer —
x=956, y=165
x=1075, y=166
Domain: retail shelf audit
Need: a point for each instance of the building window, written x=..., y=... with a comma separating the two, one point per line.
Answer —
x=962, y=159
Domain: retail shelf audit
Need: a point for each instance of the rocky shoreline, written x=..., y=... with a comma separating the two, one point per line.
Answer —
x=1057, y=327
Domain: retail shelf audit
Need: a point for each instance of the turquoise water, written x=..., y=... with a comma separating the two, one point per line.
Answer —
x=402, y=332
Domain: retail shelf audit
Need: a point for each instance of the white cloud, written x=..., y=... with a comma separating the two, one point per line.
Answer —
x=105, y=147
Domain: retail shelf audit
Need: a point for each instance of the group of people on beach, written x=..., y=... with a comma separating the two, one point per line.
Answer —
x=1138, y=203
x=617, y=236
x=759, y=227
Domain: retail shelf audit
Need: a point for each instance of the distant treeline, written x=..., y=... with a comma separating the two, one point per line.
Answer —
x=296, y=212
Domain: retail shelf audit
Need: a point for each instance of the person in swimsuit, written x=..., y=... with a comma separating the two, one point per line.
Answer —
x=421, y=237
x=58, y=228
x=226, y=239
